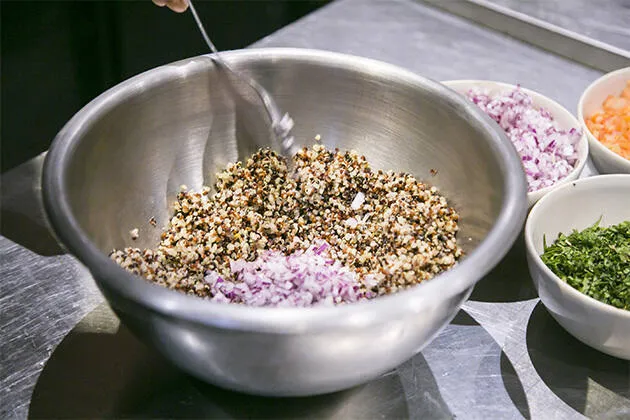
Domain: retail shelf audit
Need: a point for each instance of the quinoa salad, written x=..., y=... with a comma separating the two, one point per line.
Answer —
x=331, y=231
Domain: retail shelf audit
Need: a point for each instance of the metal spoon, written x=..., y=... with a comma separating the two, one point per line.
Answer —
x=281, y=123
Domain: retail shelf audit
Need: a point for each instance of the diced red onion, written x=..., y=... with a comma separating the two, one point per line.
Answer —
x=359, y=199
x=547, y=152
x=301, y=279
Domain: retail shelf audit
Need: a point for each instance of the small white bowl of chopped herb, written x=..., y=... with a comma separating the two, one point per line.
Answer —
x=578, y=251
x=552, y=146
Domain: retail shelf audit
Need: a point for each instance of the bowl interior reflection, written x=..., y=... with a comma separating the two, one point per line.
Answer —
x=184, y=129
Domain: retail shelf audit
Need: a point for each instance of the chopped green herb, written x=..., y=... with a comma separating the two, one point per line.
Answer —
x=595, y=261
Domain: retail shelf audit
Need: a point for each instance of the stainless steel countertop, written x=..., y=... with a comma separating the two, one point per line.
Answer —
x=604, y=20
x=64, y=354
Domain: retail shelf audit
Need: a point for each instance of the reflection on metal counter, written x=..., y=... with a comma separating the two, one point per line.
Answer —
x=101, y=370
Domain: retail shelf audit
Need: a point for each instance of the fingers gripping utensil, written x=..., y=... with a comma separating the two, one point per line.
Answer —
x=281, y=123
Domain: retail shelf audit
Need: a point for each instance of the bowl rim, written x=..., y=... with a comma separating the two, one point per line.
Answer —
x=577, y=186
x=593, y=141
x=111, y=278
x=583, y=144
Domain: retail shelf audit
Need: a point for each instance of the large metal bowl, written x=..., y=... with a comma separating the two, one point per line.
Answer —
x=123, y=157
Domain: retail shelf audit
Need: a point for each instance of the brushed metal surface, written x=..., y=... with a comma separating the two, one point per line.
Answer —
x=601, y=20
x=121, y=160
x=549, y=374
x=435, y=44
x=541, y=33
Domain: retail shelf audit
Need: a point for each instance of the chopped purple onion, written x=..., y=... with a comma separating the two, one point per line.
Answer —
x=301, y=279
x=548, y=157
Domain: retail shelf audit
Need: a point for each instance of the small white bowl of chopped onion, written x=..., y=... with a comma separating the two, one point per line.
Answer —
x=549, y=139
x=604, y=90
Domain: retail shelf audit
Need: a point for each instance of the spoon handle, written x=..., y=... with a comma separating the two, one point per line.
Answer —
x=280, y=123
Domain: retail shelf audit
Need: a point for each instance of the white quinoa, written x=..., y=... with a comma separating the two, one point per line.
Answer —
x=397, y=231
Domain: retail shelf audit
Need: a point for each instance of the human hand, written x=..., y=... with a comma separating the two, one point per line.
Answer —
x=175, y=5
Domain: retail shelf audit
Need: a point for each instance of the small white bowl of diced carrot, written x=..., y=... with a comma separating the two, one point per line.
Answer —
x=604, y=112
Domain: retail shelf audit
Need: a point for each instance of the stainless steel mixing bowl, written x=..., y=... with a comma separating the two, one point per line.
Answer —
x=122, y=158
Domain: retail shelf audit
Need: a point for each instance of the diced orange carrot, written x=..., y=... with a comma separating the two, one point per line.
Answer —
x=611, y=125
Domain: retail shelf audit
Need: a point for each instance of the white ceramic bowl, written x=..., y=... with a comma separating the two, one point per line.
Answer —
x=606, y=161
x=578, y=205
x=562, y=117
